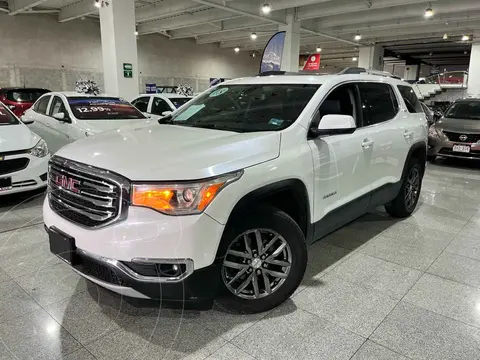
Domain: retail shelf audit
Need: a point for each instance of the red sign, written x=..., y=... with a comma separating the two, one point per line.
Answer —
x=313, y=62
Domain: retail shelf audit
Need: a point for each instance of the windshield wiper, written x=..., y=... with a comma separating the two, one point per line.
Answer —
x=215, y=126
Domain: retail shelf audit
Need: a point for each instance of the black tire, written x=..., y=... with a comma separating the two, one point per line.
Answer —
x=401, y=207
x=431, y=158
x=264, y=218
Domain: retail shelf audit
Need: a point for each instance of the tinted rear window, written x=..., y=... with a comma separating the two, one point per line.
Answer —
x=25, y=95
x=6, y=117
x=103, y=108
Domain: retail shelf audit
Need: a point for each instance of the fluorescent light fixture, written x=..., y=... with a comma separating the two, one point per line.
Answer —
x=266, y=8
x=354, y=58
x=97, y=3
x=237, y=49
x=319, y=49
x=445, y=36
x=253, y=36
x=357, y=37
x=465, y=37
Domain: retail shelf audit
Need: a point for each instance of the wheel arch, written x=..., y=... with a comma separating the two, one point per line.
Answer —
x=417, y=151
x=290, y=196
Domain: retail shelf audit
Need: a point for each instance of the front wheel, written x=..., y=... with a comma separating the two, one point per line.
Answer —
x=406, y=201
x=264, y=260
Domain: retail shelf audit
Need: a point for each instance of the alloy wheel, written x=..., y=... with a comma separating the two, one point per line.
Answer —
x=412, y=189
x=256, y=264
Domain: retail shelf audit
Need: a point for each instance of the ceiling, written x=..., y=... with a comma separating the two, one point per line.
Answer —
x=398, y=25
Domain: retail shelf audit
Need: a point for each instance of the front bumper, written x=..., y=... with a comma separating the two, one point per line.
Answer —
x=147, y=236
x=33, y=177
x=443, y=147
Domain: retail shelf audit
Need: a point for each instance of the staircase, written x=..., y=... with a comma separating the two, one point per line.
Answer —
x=436, y=84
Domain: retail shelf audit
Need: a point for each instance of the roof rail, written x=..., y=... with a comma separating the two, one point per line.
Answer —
x=301, y=72
x=360, y=70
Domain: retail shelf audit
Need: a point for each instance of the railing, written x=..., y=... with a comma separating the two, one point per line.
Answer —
x=449, y=79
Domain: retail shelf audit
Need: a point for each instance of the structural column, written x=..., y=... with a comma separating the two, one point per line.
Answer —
x=473, y=88
x=411, y=72
x=119, y=48
x=291, y=48
x=371, y=57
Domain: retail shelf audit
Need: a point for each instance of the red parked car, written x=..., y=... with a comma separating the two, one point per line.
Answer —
x=20, y=99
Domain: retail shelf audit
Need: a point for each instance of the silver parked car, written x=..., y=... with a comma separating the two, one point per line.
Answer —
x=457, y=134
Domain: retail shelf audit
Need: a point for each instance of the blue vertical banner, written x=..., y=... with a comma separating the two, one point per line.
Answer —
x=151, y=88
x=272, y=54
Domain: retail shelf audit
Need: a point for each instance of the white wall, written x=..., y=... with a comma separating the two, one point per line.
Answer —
x=36, y=50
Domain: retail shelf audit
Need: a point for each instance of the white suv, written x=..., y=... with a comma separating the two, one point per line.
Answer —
x=222, y=201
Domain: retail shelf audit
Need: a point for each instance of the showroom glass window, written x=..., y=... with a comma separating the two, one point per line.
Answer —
x=103, y=108
x=41, y=105
x=6, y=117
x=141, y=103
x=410, y=98
x=159, y=106
x=249, y=107
x=376, y=103
x=464, y=110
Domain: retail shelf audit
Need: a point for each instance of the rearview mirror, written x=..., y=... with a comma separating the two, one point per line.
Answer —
x=60, y=117
x=335, y=125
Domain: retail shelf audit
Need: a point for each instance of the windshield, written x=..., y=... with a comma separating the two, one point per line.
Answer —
x=245, y=108
x=177, y=102
x=6, y=117
x=25, y=95
x=103, y=108
x=464, y=110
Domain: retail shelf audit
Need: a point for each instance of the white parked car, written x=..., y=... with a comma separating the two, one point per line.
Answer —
x=64, y=117
x=223, y=201
x=23, y=156
x=159, y=105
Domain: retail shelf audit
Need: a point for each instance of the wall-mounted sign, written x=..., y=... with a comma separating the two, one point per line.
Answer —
x=151, y=88
x=127, y=70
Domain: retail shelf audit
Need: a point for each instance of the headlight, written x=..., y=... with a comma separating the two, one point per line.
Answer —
x=40, y=150
x=181, y=198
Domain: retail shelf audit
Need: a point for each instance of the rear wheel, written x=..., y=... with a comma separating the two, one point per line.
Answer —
x=406, y=201
x=264, y=260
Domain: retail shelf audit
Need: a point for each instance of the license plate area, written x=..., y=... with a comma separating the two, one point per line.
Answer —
x=63, y=246
x=5, y=183
x=461, y=148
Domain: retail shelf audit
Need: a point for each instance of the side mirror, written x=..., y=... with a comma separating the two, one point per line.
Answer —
x=61, y=117
x=166, y=113
x=335, y=125
x=27, y=121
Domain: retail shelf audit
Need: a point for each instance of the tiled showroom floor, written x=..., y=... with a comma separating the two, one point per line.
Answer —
x=377, y=289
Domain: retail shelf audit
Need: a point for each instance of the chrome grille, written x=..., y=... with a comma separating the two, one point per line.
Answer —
x=86, y=195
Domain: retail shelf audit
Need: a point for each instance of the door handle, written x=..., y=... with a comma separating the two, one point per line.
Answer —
x=367, y=143
x=408, y=134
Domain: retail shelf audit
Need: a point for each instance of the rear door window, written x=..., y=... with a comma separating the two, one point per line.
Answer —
x=410, y=98
x=377, y=104
x=141, y=103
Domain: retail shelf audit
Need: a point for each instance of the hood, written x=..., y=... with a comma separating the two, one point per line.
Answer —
x=17, y=137
x=98, y=126
x=167, y=152
x=458, y=125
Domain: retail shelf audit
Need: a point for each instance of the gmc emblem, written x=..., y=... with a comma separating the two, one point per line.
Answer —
x=67, y=183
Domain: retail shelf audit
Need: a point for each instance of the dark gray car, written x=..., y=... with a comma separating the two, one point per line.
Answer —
x=457, y=134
